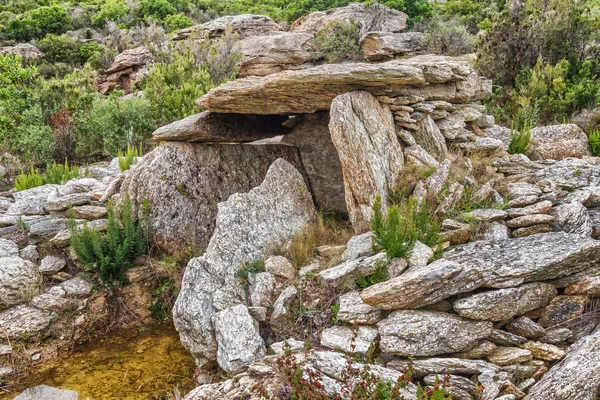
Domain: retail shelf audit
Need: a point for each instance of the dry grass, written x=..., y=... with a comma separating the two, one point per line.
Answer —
x=324, y=231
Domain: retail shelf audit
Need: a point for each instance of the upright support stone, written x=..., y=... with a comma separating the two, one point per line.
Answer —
x=363, y=132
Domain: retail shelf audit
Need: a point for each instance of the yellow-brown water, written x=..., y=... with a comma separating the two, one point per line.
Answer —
x=142, y=364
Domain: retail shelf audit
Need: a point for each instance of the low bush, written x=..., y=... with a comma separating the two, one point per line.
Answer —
x=28, y=180
x=339, y=41
x=60, y=173
x=594, y=140
x=380, y=275
x=112, y=254
x=448, y=37
x=402, y=227
x=520, y=141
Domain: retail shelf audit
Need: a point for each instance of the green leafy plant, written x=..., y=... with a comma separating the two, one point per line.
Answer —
x=28, y=180
x=380, y=275
x=112, y=254
x=60, y=173
x=127, y=159
x=520, y=141
x=402, y=227
x=594, y=140
x=339, y=41
x=163, y=299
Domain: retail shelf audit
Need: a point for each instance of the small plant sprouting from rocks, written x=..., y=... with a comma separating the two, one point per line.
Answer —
x=520, y=141
x=380, y=275
x=28, y=180
x=112, y=254
x=127, y=158
x=594, y=140
x=340, y=41
x=60, y=173
x=252, y=267
x=398, y=231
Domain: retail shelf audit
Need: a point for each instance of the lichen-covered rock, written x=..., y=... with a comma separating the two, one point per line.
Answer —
x=442, y=366
x=238, y=339
x=183, y=183
x=371, y=18
x=526, y=327
x=47, y=393
x=208, y=127
x=576, y=376
x=355, y=311
x=557, y=142
x=313, y=89
x=349, y=340
x=19, y=281
x=25, y=50
x=51, y=265
x=128, y=69
x=276, y=52
x=379, y=46
x=24, y=322
x=573, y=218
x=544, y=351
x=501, y=304
x=244, y=25
x=347, y=272
x=530, y=220
x=363, y=132
x=429, y=333
x=246, y=224
x=8, y=248
x=503, y=264
x=509, y=355
x=562, y=309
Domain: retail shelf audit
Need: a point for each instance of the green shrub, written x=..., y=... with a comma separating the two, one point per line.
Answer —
x=60, y=173
x=127, y=159
x=402, y=227
x=112, y=124
x=112, y=254
x=380, y=275
x=37, y=23
x=176, y=22
x=339, y=41
x=28, y=180
x=594, y=140
x=158, y=9
x=187, y=72
x=111, y=10
x=520, y=141
x=448, y=37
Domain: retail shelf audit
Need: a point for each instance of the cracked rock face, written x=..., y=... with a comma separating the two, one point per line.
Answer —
x=184, y=182
x=501, y=304
x=429, y=333
x=238, y=338
x=363, y=132
x=20, y=280
x=505, y=264
x=576, y=376
x=247, y=223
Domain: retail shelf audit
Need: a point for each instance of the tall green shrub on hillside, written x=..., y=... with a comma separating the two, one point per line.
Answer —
x=187, y=72
x=112, y=254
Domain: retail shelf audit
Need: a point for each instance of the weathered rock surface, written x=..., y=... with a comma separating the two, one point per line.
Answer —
x=349, y=340
x=245, y=25
x=573, y=218
x=526, y=327
x=320, y=160
x=379, y=46
x=51, y=265
x=430, y=138
x=442, y=366
x=276, y=52
x=557, y=142
x=23, y=321
x=429, y=333
x=208, y=127
x=501, y=304
x=576, y=376
x=238, y=339
x=363, y=132
x=562, y=309
x=24, y=50
x=184, y=182
x=246, y=224
x=503, y=264
x=19, y=281
x=313, y=89
x=371, y=18
x=355, y=311
x=358, y=246
x=128, y=68
x=47, y=393
x=347, y=272
x=509, y=355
